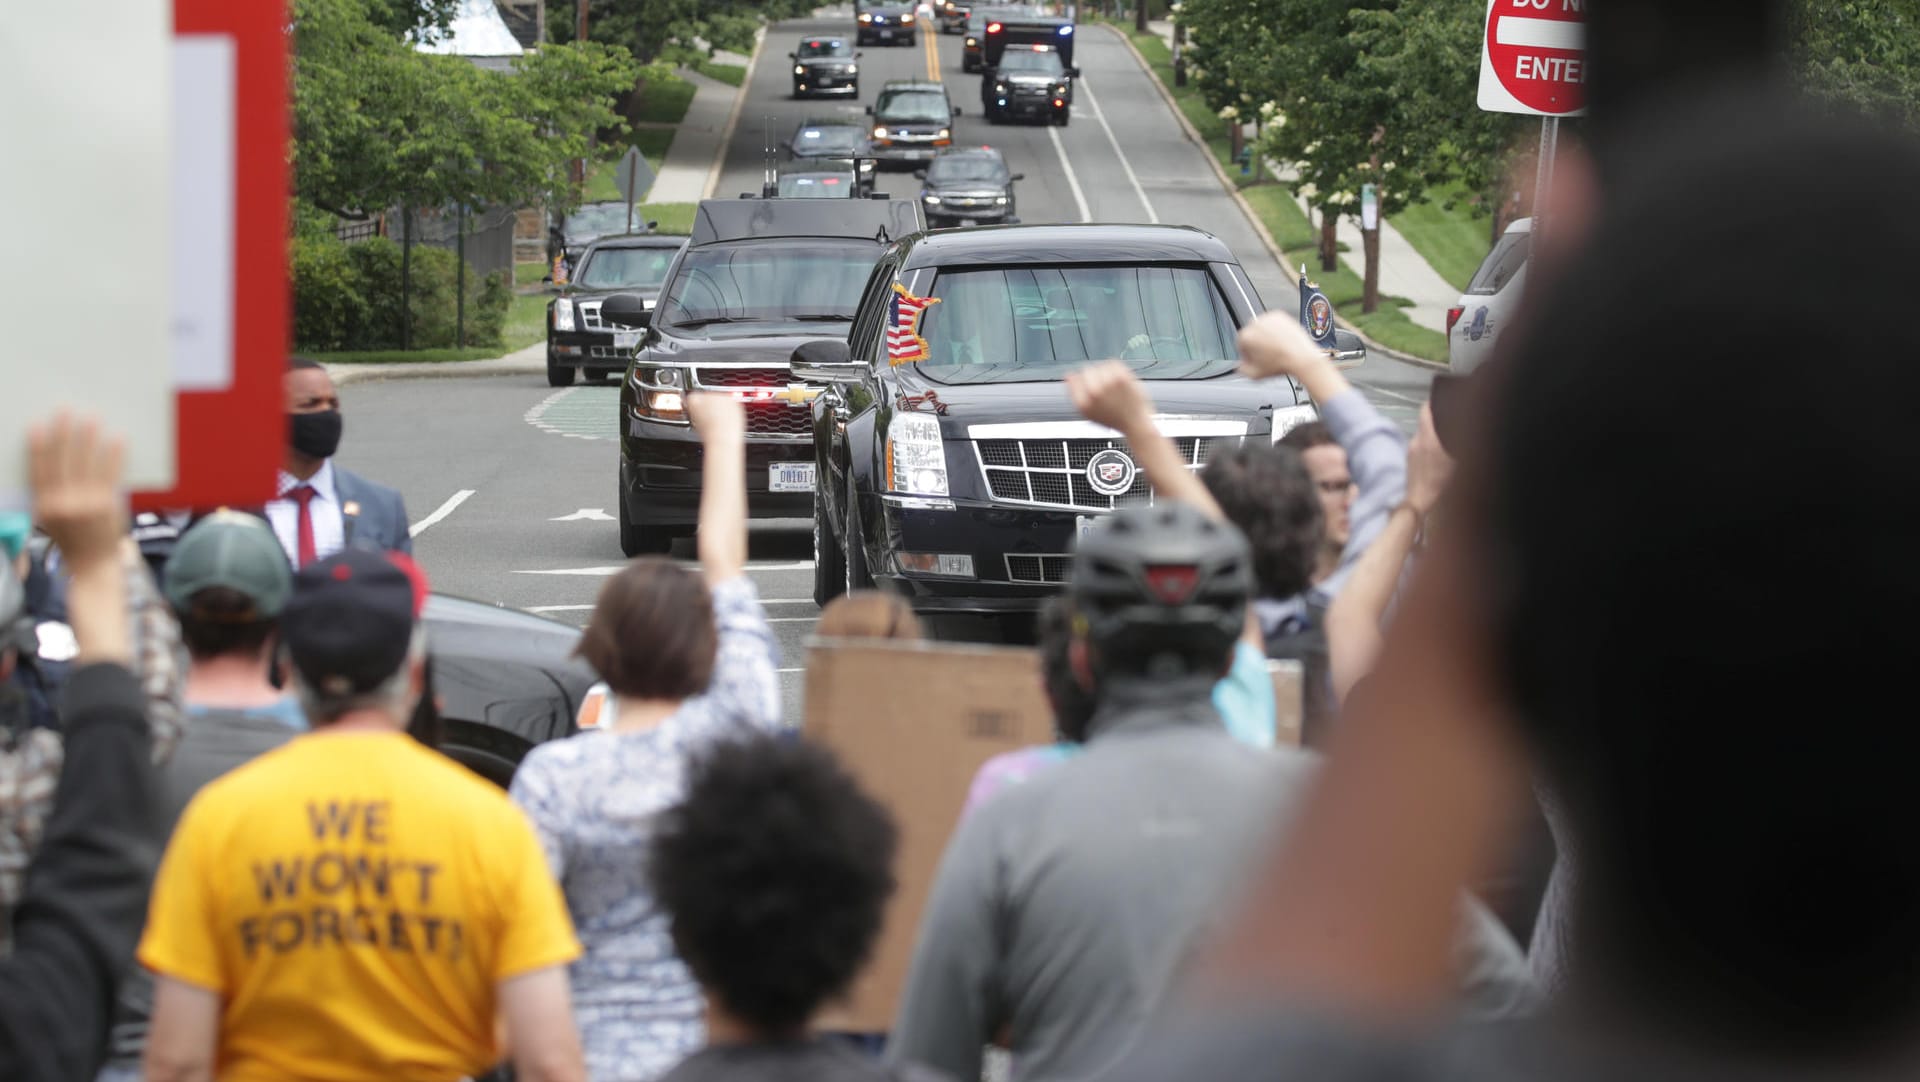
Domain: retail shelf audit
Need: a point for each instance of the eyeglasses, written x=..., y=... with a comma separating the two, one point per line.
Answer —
x=1335, y=488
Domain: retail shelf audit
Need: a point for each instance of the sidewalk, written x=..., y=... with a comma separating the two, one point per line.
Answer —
x=1404, y=272
x=694, y=157
x=529, y=361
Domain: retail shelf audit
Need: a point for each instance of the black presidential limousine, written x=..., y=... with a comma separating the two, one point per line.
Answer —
x=951, y=467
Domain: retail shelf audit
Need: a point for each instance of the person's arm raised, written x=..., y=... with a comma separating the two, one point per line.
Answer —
x=1355, y=616
x=1110, y=394
x=75, y=473
x=1276, y=345
x=721, y=422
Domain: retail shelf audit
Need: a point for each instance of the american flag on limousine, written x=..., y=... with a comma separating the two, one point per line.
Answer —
x=904, y=343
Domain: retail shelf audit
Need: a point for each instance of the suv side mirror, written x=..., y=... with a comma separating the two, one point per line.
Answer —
x=1073, y=73
x=956, y=110
x=869, y=110
x=857, y=54
x=1018, y=176
x=825, y=360
x=921, y=173
x=626, y=310
x=1348, y=349
x=793, y=56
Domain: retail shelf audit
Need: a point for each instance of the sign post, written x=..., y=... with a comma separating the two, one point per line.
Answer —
x=634, y=177
x=1533, y=61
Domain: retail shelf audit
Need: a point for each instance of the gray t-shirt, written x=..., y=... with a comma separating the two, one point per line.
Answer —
x=216, y=741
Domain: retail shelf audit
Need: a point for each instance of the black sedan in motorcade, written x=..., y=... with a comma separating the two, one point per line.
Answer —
x=578, y=340
x=1026, y=27
x=887, y=24
x=1032, y=82
x=952, y=468
x=844, y=184
x=952, y=15
x=506, y=681
x=968, y=186
x=758, y=278
x=568, y=237
x=912, y=120
x=837, y=140
x=825, y=66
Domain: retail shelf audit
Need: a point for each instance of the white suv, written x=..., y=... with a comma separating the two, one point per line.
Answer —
x=1491, y=299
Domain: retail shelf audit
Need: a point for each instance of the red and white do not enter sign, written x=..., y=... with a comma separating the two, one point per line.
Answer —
x=1534, y=59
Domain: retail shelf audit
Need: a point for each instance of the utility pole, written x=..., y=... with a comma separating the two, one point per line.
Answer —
x=580, y=34
x=1140, y=15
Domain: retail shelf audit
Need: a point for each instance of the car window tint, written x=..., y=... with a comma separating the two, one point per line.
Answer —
x=909, y=106
x=769, y=281
x=625, y=268
x=1501, y=264
x=1027, y=61
x=809, y=49
x=1033, y=323
x=952, y=168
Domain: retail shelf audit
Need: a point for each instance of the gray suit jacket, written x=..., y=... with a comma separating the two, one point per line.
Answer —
x=375, y=515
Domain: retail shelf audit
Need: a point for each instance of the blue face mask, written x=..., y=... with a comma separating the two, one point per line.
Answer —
x=15, y=528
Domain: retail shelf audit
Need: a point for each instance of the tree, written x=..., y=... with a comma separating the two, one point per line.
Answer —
x=1860, y=54
x=648, y=27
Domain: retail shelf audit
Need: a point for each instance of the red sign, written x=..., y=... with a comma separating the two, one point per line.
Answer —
x=1534, y=58
x=232, y=438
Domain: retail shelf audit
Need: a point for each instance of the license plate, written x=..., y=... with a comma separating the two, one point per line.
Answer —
x=790, y=477
x=1086, y=524
x=626, y=339
x=886, y=35
x=917, y=154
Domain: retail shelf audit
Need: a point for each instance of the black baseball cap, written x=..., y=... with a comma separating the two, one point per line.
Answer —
x=351, y=618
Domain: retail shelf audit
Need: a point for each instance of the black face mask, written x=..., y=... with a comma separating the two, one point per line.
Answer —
x=316, y=435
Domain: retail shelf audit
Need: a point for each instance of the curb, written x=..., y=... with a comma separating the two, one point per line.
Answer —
x=1246, y=208
x=733, y=118
x=345, y=375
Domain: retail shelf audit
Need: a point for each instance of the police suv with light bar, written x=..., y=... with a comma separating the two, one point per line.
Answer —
x=757, y=278
x=951, y=466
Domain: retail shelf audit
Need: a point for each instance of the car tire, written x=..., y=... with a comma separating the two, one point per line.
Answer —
x=559, y=375
x=855, y=552
x=638, y=540
x=829, y=560
x=1062, y=117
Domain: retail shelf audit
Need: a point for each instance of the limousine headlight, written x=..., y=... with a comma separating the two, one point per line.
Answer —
x=916, y=457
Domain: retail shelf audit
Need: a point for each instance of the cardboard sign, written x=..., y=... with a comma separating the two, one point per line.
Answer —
x=85, y=295
x=914, y=722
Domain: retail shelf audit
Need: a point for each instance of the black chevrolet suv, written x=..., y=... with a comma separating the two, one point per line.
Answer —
x=757, y=278
x=912, y=120
x=1031, y=82
x=825, y=66
x=952, y=468
x=578, y=340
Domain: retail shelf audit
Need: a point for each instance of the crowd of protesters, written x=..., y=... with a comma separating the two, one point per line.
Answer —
x=246, y=865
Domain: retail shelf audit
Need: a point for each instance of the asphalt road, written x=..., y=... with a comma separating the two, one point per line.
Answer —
x=511, y=484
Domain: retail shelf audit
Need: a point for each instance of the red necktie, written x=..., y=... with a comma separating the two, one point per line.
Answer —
x=303, y=495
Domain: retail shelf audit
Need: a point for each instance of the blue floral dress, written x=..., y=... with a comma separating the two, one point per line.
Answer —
x=593, y=799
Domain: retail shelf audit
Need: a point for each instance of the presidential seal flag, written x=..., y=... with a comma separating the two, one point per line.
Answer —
x=1316, y=312
x=904, y=344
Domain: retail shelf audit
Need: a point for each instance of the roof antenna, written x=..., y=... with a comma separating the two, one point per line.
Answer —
x=769, y=181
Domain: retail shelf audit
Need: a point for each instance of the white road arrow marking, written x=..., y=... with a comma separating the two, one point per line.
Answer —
x=586, y=514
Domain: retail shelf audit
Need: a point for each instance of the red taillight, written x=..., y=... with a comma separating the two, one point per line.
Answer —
x=1453, y=316
x=994, y=28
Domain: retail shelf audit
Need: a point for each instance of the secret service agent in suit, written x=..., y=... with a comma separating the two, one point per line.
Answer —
x=323, y=508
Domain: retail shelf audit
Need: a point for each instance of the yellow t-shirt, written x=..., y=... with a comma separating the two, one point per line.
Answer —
x=355, y=899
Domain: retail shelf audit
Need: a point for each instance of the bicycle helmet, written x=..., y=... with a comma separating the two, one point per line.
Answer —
x=1162, y=591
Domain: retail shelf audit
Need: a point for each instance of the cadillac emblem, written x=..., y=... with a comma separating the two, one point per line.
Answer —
x=1111, y=472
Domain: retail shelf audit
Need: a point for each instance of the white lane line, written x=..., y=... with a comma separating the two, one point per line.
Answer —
x=1132, y=178
x=790, y=619
x=439, y=513
x=560, y=608
x=763, y=601
x=1390, y=394
x=1073, y=181
x=791, y=670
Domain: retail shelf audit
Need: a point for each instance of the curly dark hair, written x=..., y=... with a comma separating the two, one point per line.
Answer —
x=1266, y=491
x=774, y=872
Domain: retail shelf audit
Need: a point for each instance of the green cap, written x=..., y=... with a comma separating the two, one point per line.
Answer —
x=235, y=550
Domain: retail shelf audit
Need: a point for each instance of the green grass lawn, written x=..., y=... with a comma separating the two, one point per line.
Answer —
x=730, y=74
x=1292, y=230
x=528, y=274
x=1453, y=241
x=653, y=143
x=665, y=100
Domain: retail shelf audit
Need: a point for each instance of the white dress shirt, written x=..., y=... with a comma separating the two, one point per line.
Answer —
x=329, y=523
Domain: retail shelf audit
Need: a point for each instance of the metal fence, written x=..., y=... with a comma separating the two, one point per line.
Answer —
x=489, y=245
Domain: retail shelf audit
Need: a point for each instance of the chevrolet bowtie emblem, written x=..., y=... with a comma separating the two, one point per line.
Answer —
x=797, y=394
